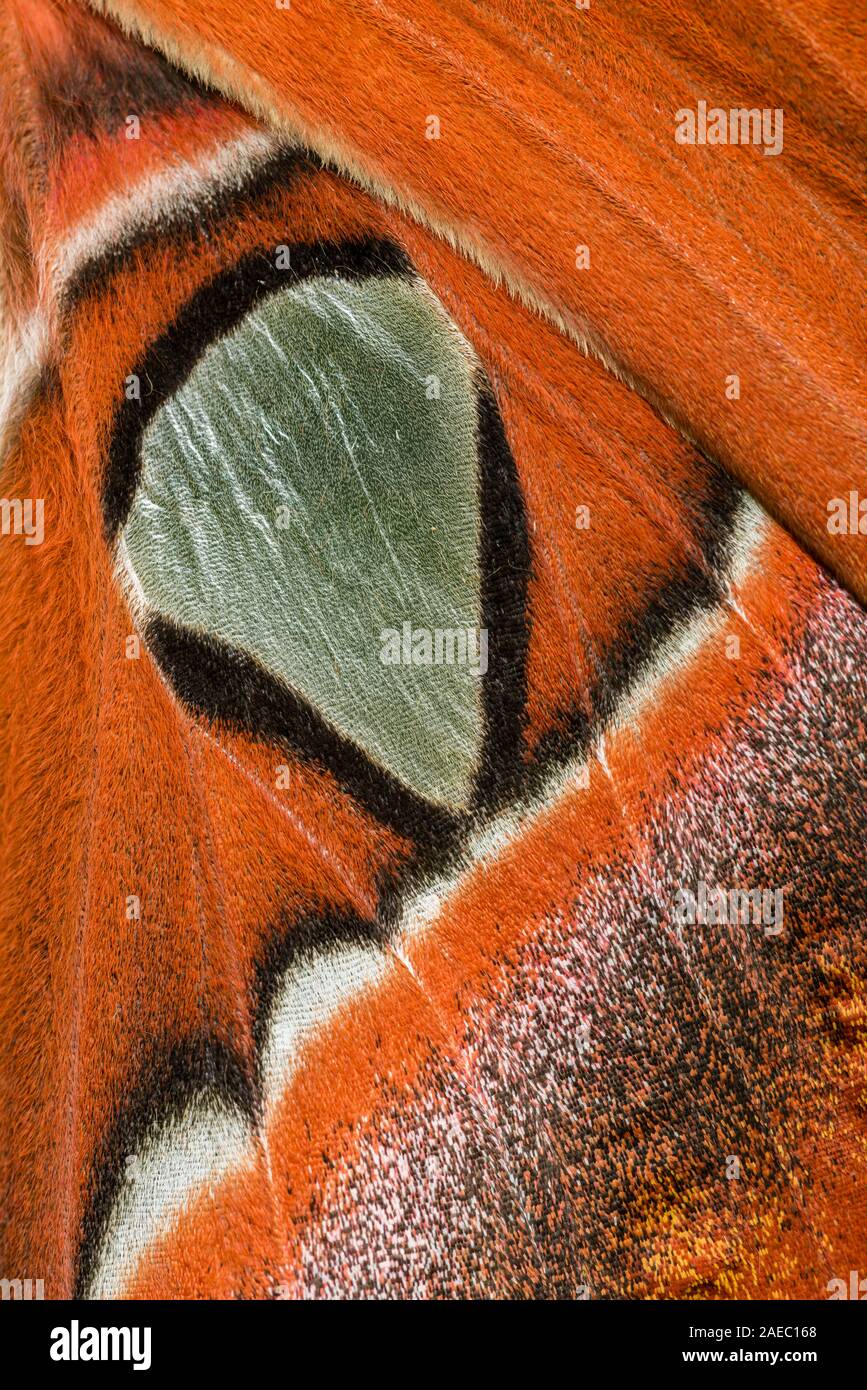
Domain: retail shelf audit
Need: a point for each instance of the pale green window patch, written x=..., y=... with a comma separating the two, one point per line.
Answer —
x=304, y=491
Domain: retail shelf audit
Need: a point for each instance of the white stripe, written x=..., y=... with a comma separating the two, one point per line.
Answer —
x=213, y=1139
x=22, y=356
x=172, y=1168
x=311, y=994
x=186, y=183
x=679, y=648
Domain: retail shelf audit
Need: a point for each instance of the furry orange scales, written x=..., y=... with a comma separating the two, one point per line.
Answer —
x=422, y=620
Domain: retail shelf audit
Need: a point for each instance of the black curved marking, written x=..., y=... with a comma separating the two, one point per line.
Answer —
x=214, y=311
x=677, y=599
x=226, y=684
x=504, y=566
x=285, y=167
x=670, y=607
x=291, y=944
x=219, y=681
x=173, y=1075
